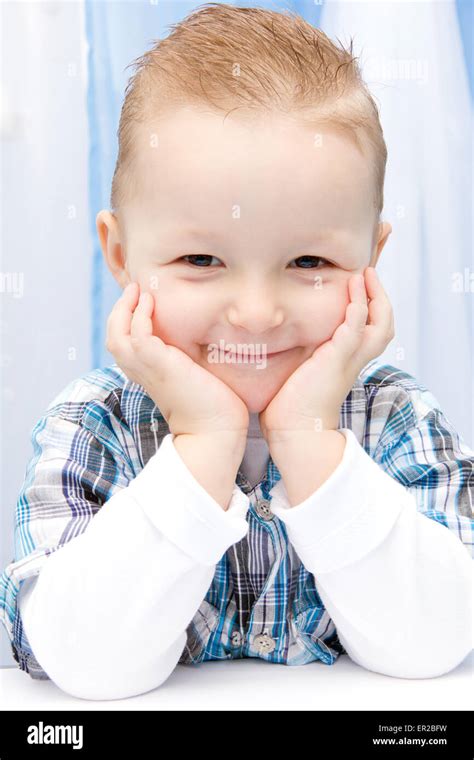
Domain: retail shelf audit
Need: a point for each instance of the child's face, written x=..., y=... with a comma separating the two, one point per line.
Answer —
x=265, y=205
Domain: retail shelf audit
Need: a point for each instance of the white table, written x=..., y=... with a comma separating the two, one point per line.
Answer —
x=252, y=684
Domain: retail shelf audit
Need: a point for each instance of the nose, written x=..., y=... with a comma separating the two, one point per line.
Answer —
x=255, y=311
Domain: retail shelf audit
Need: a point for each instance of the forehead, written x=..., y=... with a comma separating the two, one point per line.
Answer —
x=209, y=165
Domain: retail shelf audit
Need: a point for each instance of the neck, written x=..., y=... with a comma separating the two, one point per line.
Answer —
x=254, y=426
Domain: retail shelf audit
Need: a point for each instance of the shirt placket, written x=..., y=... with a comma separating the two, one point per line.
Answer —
x=265, y=633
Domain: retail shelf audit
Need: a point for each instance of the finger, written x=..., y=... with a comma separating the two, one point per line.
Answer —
x=348, y=336
x=120, y=318
x=357, y=291
x=357, y=310
x=380, y=308
x=380, y=329
x=142, y=326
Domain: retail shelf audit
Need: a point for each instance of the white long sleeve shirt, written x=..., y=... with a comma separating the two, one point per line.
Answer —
x=160, y=574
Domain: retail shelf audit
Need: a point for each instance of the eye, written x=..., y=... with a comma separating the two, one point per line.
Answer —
x=202, y=259
x=308, y=262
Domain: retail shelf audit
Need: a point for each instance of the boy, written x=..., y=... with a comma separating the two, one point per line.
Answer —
x=191, y=502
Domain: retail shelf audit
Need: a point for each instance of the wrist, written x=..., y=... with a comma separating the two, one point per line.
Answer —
x=231, y=441
x=299, y=445
x=231, y=428
x=282, y=438
x=306, y=460
x=213, y=459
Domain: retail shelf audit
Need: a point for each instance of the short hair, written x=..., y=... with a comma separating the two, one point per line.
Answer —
x=225, y=57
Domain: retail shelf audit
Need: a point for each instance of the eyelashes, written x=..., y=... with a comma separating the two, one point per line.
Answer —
x=200, y=257
x=315, y=258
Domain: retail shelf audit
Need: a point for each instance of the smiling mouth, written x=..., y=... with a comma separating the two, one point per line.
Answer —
x=263, y=355
x=278, y=353
x=246, y=354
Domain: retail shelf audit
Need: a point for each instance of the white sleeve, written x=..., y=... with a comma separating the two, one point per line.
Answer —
x=107, y=615
x=397, y=584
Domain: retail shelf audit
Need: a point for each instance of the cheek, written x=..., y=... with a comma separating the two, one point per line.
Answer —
x=325, y=311
x=177, y=320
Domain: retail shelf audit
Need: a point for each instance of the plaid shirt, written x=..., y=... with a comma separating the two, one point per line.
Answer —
x=99, y=432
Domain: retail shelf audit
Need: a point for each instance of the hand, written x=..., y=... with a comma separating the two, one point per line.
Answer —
x=190, y=398
x=312, y=396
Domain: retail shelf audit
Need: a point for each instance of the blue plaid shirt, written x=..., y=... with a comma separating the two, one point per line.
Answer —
x=97, y=435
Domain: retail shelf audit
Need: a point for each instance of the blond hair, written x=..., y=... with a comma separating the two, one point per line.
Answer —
x=226, y=57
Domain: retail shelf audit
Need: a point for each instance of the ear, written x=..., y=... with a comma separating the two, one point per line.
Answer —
x=112, y=244
x=383, y=232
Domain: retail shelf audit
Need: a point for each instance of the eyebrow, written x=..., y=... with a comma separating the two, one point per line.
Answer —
x=329, y=233
x=196, y=233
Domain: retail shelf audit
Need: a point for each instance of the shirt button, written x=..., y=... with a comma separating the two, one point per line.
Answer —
x=264, y=510
x=236, y=639
x=264, y=643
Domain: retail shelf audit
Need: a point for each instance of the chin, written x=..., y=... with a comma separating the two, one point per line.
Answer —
x=256, y=405
x=256, y=396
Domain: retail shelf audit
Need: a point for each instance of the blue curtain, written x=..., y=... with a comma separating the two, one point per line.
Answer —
x=118, y=32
